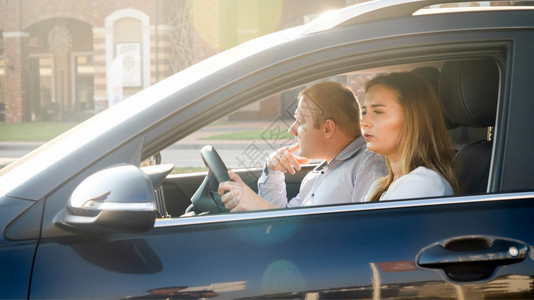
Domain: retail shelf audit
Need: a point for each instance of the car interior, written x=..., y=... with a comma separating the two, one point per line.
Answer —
x=468, y=90
x=468, y=93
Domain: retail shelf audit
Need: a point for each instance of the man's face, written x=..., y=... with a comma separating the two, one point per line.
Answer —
x=310, y=139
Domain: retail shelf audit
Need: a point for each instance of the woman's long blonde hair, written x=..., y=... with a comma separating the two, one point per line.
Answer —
x=424, y=139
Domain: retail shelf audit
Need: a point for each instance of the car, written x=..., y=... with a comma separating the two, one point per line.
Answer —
x=81, y=218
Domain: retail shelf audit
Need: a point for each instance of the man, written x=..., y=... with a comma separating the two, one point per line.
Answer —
x=327, y=127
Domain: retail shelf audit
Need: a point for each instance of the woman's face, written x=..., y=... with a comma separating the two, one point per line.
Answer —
x=382, y=121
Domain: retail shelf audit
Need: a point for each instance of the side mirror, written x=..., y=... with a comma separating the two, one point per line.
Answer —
x=120, y=198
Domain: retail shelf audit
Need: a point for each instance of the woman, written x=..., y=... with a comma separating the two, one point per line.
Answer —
x=402, y=120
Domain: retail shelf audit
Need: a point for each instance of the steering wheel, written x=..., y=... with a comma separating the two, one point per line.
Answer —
x=206, y=199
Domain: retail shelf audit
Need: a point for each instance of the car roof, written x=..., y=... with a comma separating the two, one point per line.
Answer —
x=378, y=10
x=367, y=11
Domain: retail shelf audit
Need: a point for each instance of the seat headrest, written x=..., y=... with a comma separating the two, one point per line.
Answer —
x=429, y=73
x=432, y=75
x=468, y=91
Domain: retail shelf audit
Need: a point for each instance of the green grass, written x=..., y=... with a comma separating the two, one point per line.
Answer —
x=33, y=131
x=45, y=131
x=249, y=135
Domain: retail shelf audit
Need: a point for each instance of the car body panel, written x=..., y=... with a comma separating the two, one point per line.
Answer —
x=254, y=255
x=516, y=112
x=17, y=245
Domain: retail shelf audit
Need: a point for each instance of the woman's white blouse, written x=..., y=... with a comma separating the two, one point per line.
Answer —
x=421, y=182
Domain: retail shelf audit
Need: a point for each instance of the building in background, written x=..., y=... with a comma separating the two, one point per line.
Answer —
x=59, y=58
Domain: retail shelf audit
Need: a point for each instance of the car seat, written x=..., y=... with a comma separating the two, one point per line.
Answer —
x=432, y=74
x=468, y=91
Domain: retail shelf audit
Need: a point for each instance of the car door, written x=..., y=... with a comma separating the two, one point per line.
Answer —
x=344, y=252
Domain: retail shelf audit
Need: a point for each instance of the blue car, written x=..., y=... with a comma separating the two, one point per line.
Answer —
x=82, y=217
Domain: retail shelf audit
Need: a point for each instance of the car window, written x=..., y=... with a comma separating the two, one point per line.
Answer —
x=245, y=138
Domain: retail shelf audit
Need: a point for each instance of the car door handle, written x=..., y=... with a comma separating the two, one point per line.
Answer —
x=471, y=258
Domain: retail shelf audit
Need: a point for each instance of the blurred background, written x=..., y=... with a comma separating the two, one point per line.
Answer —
x=65, y=60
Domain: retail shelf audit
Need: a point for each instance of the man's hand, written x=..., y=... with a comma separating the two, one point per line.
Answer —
x=284, y=160
x=237, y=196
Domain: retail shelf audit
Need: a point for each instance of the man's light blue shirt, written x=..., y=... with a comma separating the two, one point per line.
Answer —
x=346, y=179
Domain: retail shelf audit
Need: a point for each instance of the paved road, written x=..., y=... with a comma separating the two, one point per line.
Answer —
x=11, y=151
x=186, y=155
x=233, y=157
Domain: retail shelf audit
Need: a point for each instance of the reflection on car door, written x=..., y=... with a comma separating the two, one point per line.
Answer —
x=348, y=251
